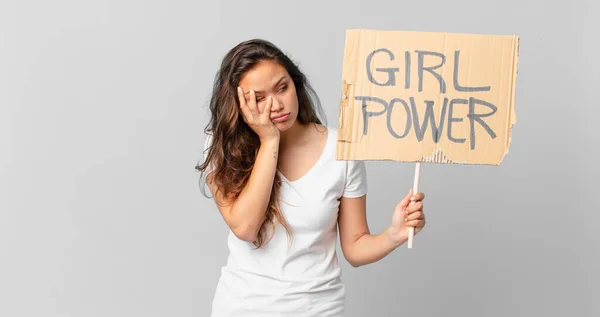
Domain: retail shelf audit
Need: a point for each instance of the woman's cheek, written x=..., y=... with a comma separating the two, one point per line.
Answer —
x=292, y=98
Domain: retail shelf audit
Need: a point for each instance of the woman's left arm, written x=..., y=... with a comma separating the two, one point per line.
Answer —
x=359, y=246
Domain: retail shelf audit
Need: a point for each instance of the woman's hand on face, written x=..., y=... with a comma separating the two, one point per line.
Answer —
x=259, y=122
x=408, y=213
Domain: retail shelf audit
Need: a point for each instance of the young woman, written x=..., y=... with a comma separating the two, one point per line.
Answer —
x=270, y=165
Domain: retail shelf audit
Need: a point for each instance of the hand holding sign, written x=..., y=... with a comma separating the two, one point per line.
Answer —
x=408, y=215
x=427, y=97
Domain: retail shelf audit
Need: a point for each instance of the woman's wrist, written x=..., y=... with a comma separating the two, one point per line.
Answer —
x=396, y=238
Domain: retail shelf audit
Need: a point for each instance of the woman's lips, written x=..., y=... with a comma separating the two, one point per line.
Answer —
x=281, y=118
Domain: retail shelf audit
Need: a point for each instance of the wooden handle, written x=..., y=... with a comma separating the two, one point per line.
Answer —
x=411, y=230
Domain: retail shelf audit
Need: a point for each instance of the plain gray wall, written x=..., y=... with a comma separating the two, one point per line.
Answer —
x=103, y=106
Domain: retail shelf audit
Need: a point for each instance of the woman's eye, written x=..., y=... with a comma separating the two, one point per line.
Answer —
x=259, y=99
x=284, y=87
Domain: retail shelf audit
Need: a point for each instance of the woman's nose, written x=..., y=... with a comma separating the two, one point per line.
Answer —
x=276, y=106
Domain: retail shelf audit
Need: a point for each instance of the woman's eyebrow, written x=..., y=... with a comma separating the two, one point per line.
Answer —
x=260, y=91
x=280, y=79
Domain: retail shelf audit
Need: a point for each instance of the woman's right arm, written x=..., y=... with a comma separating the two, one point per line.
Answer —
x=246, y=214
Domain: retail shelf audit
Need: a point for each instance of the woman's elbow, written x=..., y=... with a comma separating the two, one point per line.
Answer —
x=351, y=260
x=245, y=232
x=355, y=264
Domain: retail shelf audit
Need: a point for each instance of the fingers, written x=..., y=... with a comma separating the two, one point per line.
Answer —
x=404, y=202
x=417, y=197
x=243, y=104
x=415, y=216
x=414, y=207
x=241, y=97
x=420, y=223
x=414, y=211
x=267, y=110
x=252, y=102
x=410, y=199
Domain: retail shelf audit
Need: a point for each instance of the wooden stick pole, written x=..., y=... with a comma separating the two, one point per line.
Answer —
x=411, y=230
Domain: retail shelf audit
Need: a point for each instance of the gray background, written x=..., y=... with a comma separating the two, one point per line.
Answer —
x=102, y=110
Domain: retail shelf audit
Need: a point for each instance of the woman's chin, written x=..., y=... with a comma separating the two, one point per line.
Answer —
x=284, y=125
x=281, y=126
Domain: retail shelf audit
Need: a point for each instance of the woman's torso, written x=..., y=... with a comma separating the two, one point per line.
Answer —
x=302, y=277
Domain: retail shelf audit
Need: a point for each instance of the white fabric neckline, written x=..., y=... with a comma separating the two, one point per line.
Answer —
x=317, y=163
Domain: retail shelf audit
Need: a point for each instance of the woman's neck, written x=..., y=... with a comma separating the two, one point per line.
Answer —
x=296, y=134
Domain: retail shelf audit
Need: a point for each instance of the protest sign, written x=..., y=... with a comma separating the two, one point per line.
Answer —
x=427, y=97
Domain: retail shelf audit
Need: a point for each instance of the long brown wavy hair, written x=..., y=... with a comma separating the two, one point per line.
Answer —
x=234, y=145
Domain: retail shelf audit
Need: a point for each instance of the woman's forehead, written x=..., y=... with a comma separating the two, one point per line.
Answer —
x=265, y=75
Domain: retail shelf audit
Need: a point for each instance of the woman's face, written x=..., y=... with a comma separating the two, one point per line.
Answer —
x=269, y=78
